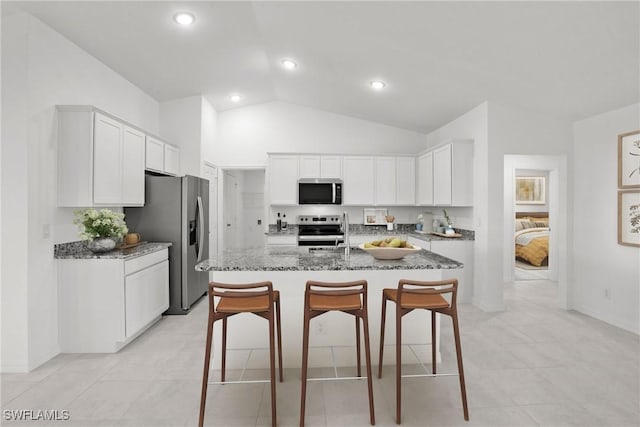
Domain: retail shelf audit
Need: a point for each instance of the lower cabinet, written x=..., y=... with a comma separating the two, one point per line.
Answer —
x=283, y=240
x=106, y=303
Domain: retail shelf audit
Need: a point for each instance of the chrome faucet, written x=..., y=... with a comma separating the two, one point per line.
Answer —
x=345, y=229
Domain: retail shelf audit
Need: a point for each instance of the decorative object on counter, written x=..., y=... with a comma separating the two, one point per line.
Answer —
x=389, y=248
x=449, y=229
x=435, y=226
x=279, y=223
x=390, y=219
x=132, y=238
x=284, y=221
x=101, y=228
x=374, y=216
x=445, y=234
x=418, y=226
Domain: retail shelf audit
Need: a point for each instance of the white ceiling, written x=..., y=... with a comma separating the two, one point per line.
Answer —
x=440, y=59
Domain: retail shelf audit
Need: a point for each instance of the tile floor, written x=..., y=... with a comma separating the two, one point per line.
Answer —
x=532, y=364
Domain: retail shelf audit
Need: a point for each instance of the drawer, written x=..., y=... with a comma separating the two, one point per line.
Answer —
x=137, y=264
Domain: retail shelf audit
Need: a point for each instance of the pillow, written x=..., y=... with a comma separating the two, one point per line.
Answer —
x=523, y=223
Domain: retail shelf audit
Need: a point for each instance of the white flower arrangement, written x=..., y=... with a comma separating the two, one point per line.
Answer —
x=94, y=224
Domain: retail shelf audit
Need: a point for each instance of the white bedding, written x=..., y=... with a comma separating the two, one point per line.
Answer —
x=524, y=237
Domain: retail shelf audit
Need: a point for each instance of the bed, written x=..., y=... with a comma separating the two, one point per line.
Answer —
x=532, y=238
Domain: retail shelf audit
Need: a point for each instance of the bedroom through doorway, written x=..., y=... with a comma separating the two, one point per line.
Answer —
x=531, y=232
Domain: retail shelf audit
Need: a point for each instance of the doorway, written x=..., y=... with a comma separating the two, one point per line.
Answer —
x=553, y=168
x=243, y=208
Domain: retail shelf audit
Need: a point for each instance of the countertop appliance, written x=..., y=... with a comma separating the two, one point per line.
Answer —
x=312, y=191
x=176, y=210
x=320, y=230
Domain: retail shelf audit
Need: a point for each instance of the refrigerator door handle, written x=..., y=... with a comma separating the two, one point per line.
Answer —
x=201, y=228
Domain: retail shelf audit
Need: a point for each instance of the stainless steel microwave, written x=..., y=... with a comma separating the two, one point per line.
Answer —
x=319, y=191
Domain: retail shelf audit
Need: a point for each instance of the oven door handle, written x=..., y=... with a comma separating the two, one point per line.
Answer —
x=324, y=237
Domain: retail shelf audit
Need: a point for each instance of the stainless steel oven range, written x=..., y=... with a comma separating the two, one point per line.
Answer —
x=320, y=230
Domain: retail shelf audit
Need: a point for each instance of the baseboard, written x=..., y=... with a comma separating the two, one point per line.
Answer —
x=614, y=321
x=13, y=367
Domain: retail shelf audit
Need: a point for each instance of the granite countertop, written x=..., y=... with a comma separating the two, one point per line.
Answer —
x=381, y=230
x=291, y=258
x=78, y=250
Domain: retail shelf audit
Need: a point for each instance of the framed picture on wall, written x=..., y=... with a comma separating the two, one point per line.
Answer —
x=629, y=217
x=530, y=190
x=629, y=160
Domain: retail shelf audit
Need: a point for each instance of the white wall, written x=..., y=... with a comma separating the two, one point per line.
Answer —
x=474, y=125
x=40, y=69
x=209, y=119
x=181, y=125
x=245, y=135
x=598, y=262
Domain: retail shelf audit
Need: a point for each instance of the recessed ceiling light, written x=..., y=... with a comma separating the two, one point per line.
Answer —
x=377, y=84
x=235, y=97
x=184, y=18
x=289, y=64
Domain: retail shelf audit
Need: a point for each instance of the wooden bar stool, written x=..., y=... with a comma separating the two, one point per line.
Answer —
x=428, y=296
x=350, y=298
x=257, y=298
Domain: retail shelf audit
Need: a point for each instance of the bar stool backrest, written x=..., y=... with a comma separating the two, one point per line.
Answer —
x=357, y=287
x=241, y=290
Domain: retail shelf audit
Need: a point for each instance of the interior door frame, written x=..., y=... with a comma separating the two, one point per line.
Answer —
x=556, y=165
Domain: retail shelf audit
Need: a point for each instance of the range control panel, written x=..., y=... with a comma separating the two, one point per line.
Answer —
x=319, y=219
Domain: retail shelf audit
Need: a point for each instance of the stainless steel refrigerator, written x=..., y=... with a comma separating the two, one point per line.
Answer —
x=176, y=210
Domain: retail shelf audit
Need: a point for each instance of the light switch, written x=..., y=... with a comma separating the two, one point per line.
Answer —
x=259, y=222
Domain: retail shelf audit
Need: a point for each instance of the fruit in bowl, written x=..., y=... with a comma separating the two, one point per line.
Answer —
x=389, y=248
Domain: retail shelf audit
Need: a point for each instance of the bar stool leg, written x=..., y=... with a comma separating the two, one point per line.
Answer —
x=205, y=374
x=224, y=350
x=272, y=365
x=382, y=322
x=463, y=390
x=367, y=352
x=305, y=357
x=358, y=344
x=278, y=326
x=398, y=364
x=433, y=342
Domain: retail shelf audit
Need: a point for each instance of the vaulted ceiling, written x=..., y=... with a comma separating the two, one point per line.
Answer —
x=439, y=59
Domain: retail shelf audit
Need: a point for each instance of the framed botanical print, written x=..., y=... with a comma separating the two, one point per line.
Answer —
x=629, y=160
x=629, y=217
x=530, y=190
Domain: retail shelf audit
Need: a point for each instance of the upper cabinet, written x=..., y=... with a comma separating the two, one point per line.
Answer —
x=425, y=179
x=315, y=166
x=395, y=179
x=283, y=179
x=445, y=175
x=100, y=160
x=358, y=176
x=162, y=157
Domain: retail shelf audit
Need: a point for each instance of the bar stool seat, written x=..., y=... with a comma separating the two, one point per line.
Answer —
x=255, y=298
x=411, y=295
x=349, y=298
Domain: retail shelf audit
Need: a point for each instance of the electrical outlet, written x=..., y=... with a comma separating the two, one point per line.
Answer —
x=320, y=328
x=259, y=222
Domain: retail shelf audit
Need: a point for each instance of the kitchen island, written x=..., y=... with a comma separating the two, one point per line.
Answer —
x=332, y=334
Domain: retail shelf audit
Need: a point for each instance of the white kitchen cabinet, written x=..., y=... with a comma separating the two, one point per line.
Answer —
x=462, y=251
x=331, y=167
x=283, y=179
x=171, y=160
x=358, y=175
x=395, y=181
x=405, y=181
x=320, y=166
x=162, y=157
x=154, y=154
x=283, y=240
x=105, y=303
x=100, y=161
x=385, y=179
x=453, y=174
x=445, y=175
x=132, y=173
x=425, y=179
